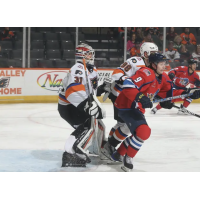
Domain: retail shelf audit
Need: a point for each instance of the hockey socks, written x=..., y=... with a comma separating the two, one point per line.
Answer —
x=158, y=107
x=187, y=102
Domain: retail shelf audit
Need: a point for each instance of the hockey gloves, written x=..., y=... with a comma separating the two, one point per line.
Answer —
x=197, y=83
x=144, y=100
x=166, y=104
x=195, y=95
x=91, y=109
x=105, y=87
x=171, y=76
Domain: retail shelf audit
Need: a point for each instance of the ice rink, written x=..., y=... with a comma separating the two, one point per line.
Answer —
x=32, y=139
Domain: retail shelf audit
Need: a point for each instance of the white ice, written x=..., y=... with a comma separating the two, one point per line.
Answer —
x=32, y=138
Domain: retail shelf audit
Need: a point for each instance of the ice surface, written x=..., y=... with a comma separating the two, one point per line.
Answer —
x=32, y=138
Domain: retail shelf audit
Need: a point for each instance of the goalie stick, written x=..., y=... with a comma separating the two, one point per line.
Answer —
x=96, y=133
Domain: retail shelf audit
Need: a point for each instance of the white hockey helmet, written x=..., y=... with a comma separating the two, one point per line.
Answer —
x=85, y=51
x=148, y=47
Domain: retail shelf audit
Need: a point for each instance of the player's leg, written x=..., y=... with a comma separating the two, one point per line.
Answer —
x=185, y=104
x=117, y=133
x=117, y=137
x=154, y=110
x=78, y=120
x=142, y=133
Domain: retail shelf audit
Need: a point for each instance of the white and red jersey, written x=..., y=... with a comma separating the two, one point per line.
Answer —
x=75, y=88
x=128, y=68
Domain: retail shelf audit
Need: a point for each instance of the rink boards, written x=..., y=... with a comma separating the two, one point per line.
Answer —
x=37, y=85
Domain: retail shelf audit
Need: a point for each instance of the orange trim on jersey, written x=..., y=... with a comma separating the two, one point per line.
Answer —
x=95, y=70
x=73, y=89
x=117, y=90
x=119, y=135
x=111, y=133
x=117, y=71
x=63, y=100
x=140, y=66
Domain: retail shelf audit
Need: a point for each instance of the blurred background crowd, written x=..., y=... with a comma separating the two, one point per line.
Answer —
x=54, y=47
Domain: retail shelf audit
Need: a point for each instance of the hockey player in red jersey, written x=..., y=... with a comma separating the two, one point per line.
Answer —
x=181, y=77
x=126, y=70
x=73, y=104
x=137, y=94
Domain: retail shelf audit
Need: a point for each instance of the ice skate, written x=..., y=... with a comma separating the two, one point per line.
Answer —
x=116, y=158
x=127, y=164
x=181, y=111
x=108, y=150
x=72, y=160
x=154, y=110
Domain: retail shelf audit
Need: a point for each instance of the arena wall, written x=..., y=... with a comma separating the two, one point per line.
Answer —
x=37, y=85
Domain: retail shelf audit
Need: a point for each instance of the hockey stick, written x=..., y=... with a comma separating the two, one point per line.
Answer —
x=171, y=98
x=94, y=130
x=187, y=111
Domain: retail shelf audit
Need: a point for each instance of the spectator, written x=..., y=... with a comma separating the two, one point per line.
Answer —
x=171, y=34
x=135, y=51
x=152, y=30
x=177, y=42
x=159, y=42
x=130, y=31
x=131, y=42
x=139, y=33
x=184, y=54
x=188, y=38
x=171, y=53
x=196, y=54
x=7, y=35
x=3, y=62
x=147, y=38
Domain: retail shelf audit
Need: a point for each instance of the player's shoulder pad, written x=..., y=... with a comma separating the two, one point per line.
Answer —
x=77, y=69
x=136, y=60
x=146, y=73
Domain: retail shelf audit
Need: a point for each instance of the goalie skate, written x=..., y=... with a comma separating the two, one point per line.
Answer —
x=72, y=160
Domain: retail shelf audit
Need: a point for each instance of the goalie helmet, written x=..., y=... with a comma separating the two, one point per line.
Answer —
x=85, y=51
x=148, y=47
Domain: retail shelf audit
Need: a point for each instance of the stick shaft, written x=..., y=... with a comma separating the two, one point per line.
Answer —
x=187, y=111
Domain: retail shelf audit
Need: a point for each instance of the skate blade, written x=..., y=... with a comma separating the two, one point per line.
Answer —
x=103, y=157
x=68, y=165
x=106, y=155
x=126, y=169
x=114, y=163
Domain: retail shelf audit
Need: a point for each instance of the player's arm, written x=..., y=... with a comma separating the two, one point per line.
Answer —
x=172, y=73
x=118, y=76
x=132, y=91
